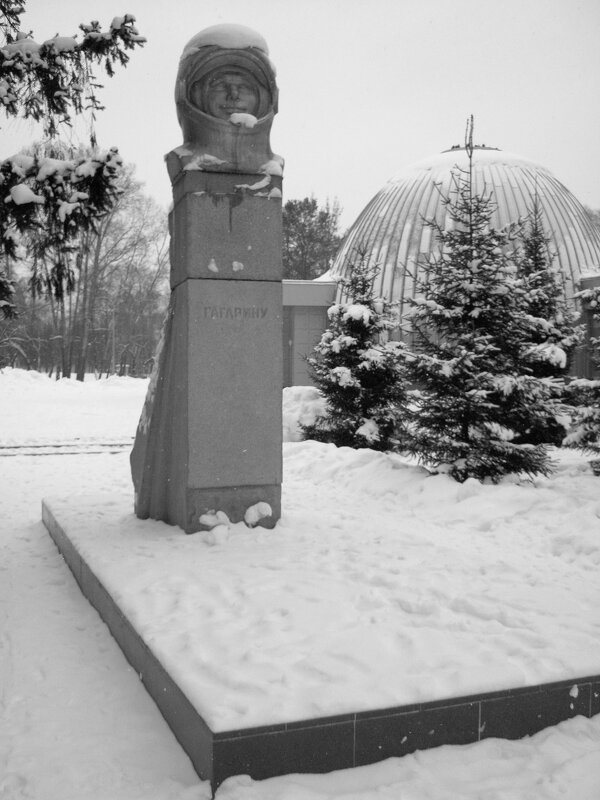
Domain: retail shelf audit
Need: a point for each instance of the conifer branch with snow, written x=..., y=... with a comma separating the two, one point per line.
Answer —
x=584, y=393
x=358, y=371
x=50, y=82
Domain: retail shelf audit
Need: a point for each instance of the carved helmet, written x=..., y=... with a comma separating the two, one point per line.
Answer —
x=201, y=59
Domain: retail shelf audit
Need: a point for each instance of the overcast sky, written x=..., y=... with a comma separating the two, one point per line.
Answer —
x=367, y=87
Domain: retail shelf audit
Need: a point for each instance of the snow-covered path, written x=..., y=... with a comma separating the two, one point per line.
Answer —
x=76, y=721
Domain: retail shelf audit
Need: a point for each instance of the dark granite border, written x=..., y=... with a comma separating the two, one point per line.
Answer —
x=328, y=743
x=192, y=733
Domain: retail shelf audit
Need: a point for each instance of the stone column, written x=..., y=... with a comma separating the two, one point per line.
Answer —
x=210, y=435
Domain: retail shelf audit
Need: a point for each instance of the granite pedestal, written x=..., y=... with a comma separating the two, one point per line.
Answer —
x=210, y=435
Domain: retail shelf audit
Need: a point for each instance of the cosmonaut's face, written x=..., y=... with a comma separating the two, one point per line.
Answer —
x=227, y=92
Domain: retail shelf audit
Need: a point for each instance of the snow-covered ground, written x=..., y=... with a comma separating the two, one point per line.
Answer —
x=416, y=570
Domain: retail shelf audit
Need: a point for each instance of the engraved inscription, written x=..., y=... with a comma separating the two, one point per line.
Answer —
x=234, y=312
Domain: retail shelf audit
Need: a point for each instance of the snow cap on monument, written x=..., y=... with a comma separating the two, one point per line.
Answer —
x=233, y=37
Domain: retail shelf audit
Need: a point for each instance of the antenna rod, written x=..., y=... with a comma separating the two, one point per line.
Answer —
x=469, y=136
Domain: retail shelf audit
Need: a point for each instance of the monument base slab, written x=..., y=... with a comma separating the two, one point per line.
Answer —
x=327, y=743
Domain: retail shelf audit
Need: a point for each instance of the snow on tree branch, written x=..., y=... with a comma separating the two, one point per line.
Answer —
x=11, y=12
x=47, y=202
x=51, y=81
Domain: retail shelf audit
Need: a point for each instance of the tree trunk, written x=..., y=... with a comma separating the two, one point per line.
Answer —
x=85, y=321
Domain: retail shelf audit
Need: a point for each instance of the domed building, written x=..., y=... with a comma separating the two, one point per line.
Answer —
x=393, y=229
x=393, y=233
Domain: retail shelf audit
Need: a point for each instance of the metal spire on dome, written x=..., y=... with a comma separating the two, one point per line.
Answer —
x=469, y=137
x=456, y=147
x=469, y=145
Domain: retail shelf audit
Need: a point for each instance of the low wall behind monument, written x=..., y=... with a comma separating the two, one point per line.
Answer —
x=305, y=305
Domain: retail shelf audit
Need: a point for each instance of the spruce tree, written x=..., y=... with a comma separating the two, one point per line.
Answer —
x=553, y=333
x=584, y=432
x=555, y=343
x=310, y=237
x=478, y=395
x=358, y=372
x=584, y=394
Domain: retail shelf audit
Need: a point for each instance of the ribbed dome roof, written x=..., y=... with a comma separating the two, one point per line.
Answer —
x=392, y=228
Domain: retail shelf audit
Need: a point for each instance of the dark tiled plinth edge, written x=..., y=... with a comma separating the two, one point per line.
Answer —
x=329, y=743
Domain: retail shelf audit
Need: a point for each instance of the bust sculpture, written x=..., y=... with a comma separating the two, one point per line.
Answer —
x=209, y=439
x=226, y=99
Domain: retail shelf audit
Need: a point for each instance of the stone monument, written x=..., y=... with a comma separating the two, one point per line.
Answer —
x=210, y=434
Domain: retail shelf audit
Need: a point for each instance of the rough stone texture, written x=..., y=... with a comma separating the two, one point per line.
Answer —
x=210, y=436
x=235, y=350
x=225, y=230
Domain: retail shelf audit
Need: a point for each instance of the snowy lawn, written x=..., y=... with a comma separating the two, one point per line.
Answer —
x=381, y=585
